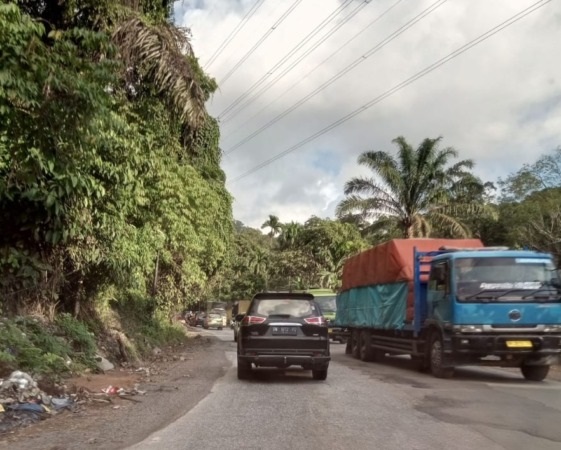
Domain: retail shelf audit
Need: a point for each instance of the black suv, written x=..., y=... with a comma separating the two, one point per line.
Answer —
x=283, y=329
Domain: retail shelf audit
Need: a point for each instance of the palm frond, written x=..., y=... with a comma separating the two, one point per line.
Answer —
x=449, y=223
x=163, y=52
x=385, y=166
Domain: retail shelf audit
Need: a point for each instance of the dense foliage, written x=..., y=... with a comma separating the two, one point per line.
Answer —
x=110, y=181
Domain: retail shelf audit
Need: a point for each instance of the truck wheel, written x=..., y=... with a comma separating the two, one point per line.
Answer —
x=349, y=347
x=244, y=370
x=437, y=358
x=366, y=350
x=534, y=373
x=355, y=338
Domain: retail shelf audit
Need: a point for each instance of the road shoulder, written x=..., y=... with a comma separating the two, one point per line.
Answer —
x=184, y=381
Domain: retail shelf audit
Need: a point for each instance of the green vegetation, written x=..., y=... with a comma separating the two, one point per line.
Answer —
x=111, y=191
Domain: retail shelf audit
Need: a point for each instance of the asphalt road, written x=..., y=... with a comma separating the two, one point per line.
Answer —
x=368, y=406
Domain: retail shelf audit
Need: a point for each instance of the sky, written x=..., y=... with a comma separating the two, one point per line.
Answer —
x=498, y=103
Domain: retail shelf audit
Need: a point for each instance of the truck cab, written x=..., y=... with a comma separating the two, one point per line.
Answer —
x=489, y=307
x=327, y=301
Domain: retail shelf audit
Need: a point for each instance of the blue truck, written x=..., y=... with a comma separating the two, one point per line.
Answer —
x=453, y=306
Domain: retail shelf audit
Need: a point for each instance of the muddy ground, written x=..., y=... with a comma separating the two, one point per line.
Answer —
x=178, y=380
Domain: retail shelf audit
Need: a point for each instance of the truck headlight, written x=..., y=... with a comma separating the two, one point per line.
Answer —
x=469, y=328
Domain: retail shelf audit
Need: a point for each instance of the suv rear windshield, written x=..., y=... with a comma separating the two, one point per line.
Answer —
x=284, y=307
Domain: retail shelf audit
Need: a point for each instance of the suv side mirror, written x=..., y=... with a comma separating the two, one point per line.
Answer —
x=239, y=317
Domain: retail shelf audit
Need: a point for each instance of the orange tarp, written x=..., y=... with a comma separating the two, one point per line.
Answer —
x=392, y=261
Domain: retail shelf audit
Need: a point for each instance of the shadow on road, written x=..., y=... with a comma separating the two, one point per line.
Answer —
x=282, y=376
x=409, y=373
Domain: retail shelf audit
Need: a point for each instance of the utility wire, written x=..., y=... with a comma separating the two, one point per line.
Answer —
x=433, y=7
x=403, y=84
x=233, y=33
x=286, y=57
x=329, y=33
x=300, y=80
x=259, y=42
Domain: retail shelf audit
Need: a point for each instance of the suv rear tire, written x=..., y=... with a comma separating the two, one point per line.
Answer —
x=319, y=374
x=534, y=373
x=244, y=370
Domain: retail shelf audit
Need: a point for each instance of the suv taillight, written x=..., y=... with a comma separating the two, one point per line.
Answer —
x=253, y=320
x=320, y=321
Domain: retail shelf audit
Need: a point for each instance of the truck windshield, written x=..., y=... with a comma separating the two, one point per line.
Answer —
x=505, y=279
x=327, y=304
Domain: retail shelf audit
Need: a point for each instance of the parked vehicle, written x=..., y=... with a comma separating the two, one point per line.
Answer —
x=213, y=320
x=197, y=319
x=240, y=307
x=283, y=329
x=326, y=299
x=453, y=302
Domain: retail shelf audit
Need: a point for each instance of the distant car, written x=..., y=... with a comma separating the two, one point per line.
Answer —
x=222, y=313
x=283, y=329
x=198, y=319
x=213, y=320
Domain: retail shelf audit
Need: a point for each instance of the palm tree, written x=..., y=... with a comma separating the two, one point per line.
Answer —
x=411, y=191
x=161, y=52
x=274, y=224
x=290, y=233
x=258, y=264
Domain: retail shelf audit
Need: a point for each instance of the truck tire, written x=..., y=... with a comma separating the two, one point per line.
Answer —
x=366, y=350
x=436, y=358
x=348, y=346
x=244, y=370
x=355, y=343
x=534, y=373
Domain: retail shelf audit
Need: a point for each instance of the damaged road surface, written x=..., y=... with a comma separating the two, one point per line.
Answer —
x=200, y=403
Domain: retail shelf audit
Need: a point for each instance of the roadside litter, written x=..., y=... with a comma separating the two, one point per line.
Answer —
x=22, y=403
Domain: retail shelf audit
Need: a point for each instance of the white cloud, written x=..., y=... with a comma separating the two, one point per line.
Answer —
x=499, y=103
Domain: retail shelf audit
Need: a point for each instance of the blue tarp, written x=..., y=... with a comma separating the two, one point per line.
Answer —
x=380, y=306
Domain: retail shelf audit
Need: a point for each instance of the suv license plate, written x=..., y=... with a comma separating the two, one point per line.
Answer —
x=519, y=344
x=285, y=331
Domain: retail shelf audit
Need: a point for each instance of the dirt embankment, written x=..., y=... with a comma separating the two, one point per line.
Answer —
x=174, y=382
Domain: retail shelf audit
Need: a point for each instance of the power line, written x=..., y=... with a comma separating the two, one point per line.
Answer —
x=233, y=33
x=326, y=36
x=433, y=7
x=481, y=38
x=300, y=80
x=259, y=42
x=286, y=57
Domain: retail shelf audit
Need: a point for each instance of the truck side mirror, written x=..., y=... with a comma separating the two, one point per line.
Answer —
x=439, y=274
